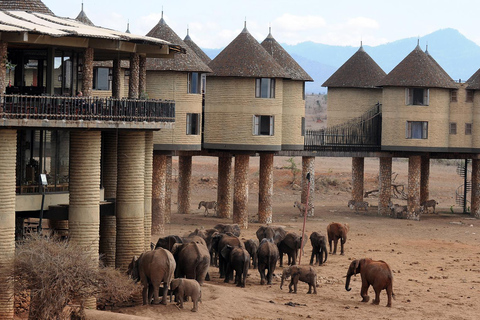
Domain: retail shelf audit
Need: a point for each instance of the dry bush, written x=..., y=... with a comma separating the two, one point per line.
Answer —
x=58, y=273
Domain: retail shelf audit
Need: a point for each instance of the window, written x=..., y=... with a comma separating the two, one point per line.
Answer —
x=453, y=95
x=453, y=128
x=468, y=129
x=102, y=79
x=263, y=125
x=303, y=126
x=469, y=96
x=194, y=83
x=264, y=88
x=417, y=130
x=416, y=97
x=193, y=123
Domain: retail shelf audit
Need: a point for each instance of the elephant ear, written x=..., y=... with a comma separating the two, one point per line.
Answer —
x=226, y=251
x=176, y=248
x=174, y=284
x=357, y=266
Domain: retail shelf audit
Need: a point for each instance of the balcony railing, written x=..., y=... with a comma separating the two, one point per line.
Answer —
x=86, y=108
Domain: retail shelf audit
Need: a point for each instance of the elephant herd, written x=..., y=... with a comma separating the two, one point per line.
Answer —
x=184, y=262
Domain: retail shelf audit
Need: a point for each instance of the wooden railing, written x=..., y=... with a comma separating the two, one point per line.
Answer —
x=86, y=108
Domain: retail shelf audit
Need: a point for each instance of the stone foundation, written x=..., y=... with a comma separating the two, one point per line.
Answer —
x=357, y=178
x=184, y=176
x=308, y=166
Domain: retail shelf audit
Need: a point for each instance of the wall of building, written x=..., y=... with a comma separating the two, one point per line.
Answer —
x=230, y=106
x=293, y=111
x=461, y=112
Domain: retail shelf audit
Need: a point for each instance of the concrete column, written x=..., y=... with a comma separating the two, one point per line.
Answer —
x=3, y=68
x=116, y=79
x=424, y=178
x=224, y=190
x=168, y=191
x=475, y=211
x=265, y=192
x=134, y=76
x=159, y=191
x=414, y=165
x=8, y=153
x=184, y=176
x=308, y=166
x=142, y=76
x=357, y=178
x=240, y=191
x=87, y=80
x=148, y=187
x=130, y=197
x=385, y=186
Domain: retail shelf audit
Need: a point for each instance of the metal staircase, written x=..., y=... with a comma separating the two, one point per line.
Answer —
x=461, y=194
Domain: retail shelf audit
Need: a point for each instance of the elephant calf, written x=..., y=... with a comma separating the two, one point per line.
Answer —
x=319, y=248
x=337, y=231
x=303, y=273
x=182, y=288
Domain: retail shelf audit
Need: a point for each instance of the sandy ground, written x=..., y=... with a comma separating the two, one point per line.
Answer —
x=435, y=261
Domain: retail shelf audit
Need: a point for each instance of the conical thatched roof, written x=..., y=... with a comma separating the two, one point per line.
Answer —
x=418, y=69
x=82, y=17
x=188, y=62
x=474, y=81
x=199, y=52
x=245, y=57
x=284, y=59
x=25, y=5
x=360, y=71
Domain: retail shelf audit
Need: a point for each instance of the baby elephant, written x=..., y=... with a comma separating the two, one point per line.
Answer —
x=182, y=288
x=303, y=273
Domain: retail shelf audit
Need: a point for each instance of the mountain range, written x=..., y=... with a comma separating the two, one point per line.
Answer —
x=457, y=55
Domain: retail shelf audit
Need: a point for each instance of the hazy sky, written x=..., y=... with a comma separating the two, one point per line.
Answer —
x=215, y=23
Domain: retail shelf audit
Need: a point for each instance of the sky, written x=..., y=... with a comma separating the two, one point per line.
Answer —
x=215, y=23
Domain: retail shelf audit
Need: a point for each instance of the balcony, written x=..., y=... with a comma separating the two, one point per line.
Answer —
x=85, y=112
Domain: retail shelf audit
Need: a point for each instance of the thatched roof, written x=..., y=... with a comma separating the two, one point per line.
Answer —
x=418, y=69
x=25, y=5
x=474, y=81
x=360, y=71
x=284, y=59
x=82, y=17
x=245, y=57
x=199, y=52
x=188, y=62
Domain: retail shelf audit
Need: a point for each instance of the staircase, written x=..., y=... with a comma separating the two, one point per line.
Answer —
x=461, y=194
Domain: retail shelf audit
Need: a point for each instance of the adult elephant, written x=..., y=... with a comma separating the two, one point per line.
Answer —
x=228, y=228
x=289, y=245
x=251, y=246
x=219, y=241
x=271, y=232
x=267, y=260
x=168, y=242
x=193, y=260
x=337, y=231
x=238, y=260
x=151, y=269
x=374, y=273
x=319, y=248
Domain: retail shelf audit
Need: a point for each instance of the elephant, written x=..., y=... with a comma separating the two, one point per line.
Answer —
x=374, y=273
x=289, y=245
x=271, y=232
x=267, y=259
x=232, y=228
x=219, y=241
x=196, y=239
x=168, y=242
x=201, y=233
x=182, y=288
x=337, y=231
x=193, y=261
x=238, y=260
x=252, y=246
x=303, y=273
x=319, y=248
x=151, y=269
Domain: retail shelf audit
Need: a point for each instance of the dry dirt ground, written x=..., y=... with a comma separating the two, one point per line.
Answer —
x=435, y=261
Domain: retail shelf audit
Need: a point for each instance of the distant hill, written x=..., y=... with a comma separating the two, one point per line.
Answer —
x=459, y=56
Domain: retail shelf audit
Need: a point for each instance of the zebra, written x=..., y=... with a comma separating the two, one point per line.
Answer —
x=208, y=205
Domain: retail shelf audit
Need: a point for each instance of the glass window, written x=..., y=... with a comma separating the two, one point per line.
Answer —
x=469, y=97
x=264, y=88
x=417, y=97
x=417, y=130
x=102, y=79
x=303, y=126
x=453, y=128
x=193, y=123
x=453, y=95
x=194, y=82
x=468, y=129
x=263, y=125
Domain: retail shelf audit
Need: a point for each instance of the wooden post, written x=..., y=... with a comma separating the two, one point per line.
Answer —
x=308, y=187
x=134, y=76
x=357, y=178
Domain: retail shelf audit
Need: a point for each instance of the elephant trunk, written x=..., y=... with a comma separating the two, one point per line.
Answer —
x=326, y=254
x=347, y=283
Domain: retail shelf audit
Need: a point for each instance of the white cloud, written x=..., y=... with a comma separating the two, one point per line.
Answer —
x=362, y=22
x=298, y=23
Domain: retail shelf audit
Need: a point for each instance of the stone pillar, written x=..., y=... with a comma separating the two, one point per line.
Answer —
x=475, y=211
x=240, y=191
x=425, y=178
x=159, y=191
x=357, y=178
x=414, y=165
x=224, y=190
x=134, y=76
x=168, y=191
x=308, y=166
x=148, y=187
x=87, y=80
x=142, y=77
x=116, y=79
x=184, y=176
x=385, y=186
x=130, y=197
x=3, y=68
x=8, y=153
x=265, y=190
